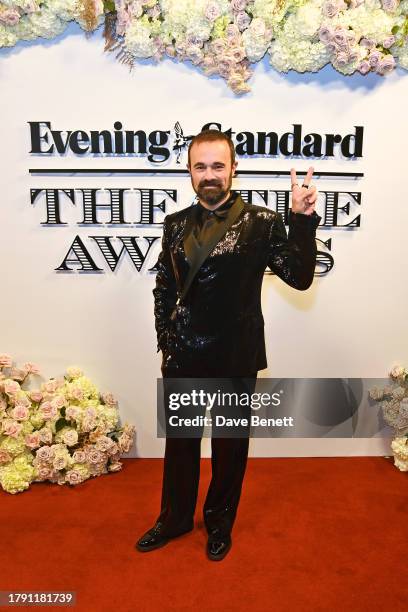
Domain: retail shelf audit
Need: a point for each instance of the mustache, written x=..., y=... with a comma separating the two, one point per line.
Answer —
x=210, y=184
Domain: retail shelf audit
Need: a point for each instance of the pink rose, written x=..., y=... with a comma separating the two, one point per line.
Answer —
x=114, y=449
x=194, y=54
x=31, y=368
x=58, y=402
x=353, y=55
x=340, y=38
x=135, y=9
x=59, y=463
x=180, y=48
x=212, y=12
x=225, y=65
x=325, y=34
x=79, y=456
x=94, y=456
x=386, y=64
x=367, y=42
x=45, y=453
x=330, y=8
x=104, y=443
x=20, y=413
x=12, y=428
x=258, y=26
x=32, y=440
x=73, y=477
x=238, y=54
x=48, y=411
x=342, y=59
x=72, y=413
x=98, y=469
x=208, y=65
x=9, y=17
x=125, y=443
x=5, y=361
x=154, y=12
x=232, y=32
x=11, y=387
x=5, y=456
x=70, y=437
x=18, y=374
x=45, y=472
x=51, y=386
x=35, y=396
x=45, y=435
x=77, y=393
x=108, y=399
x=238, y=5
x=242, y=19
x=238, y=84
x=374, y=58
x=219, y=46
x=388, y=42
x=389, y=5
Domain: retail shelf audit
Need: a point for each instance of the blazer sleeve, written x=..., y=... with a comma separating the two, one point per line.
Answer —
x=293, y=257
x=165, y=291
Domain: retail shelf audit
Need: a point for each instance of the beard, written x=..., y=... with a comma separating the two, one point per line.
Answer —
x=212, y=192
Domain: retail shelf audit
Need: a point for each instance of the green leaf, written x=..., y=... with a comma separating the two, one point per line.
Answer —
x=60, y=424
x=109, y=6
x=395, y=29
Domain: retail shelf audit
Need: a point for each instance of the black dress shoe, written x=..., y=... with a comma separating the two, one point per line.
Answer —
x=154, y=539
x=218, y=546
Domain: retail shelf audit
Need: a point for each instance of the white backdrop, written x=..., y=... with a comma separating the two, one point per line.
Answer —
x=351, y=323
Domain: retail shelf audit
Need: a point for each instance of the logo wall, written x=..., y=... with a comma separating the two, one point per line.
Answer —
x=161, y=153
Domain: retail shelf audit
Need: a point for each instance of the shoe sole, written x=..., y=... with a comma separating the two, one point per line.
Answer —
x=161, y=544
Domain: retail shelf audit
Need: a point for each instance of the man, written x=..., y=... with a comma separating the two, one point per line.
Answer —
x=209, y=321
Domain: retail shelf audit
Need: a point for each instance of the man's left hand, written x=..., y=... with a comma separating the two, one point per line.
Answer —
x=304, y=197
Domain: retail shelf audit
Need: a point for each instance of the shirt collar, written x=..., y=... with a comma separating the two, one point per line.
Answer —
x=221, y=211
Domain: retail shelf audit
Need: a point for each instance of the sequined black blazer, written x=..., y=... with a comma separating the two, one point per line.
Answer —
x=220, y=329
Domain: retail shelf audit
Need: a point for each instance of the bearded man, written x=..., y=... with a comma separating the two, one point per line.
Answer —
x=209, y=321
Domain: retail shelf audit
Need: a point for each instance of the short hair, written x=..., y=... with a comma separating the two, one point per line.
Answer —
x=212, y=136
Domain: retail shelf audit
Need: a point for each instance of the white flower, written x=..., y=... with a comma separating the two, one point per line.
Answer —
x=386, y=64
x=397, y=371
x=212, y=11
x=303, y=56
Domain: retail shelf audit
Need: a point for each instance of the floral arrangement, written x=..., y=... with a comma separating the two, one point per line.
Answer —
x=65, y=432
x=394, y=404
x=224, y=37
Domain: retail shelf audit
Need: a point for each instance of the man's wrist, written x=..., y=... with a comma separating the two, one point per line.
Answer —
x=301, y=220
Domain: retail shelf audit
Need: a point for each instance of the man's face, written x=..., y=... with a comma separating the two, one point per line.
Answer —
x=211, y=171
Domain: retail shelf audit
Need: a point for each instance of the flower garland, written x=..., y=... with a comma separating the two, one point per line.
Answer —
x=65, y=432
x=394, y=404
x=224, y=37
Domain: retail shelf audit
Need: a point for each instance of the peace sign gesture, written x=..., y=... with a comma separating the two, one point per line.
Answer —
x=304, y=197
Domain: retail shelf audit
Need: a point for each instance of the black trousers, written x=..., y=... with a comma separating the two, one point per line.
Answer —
x=181, y=474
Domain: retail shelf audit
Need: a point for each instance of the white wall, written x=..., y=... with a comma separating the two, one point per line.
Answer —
x=351, y=323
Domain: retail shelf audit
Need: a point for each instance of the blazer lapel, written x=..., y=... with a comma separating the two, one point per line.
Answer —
x=197, y=254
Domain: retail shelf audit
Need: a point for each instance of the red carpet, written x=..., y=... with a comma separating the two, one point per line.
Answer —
x=311, y=534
